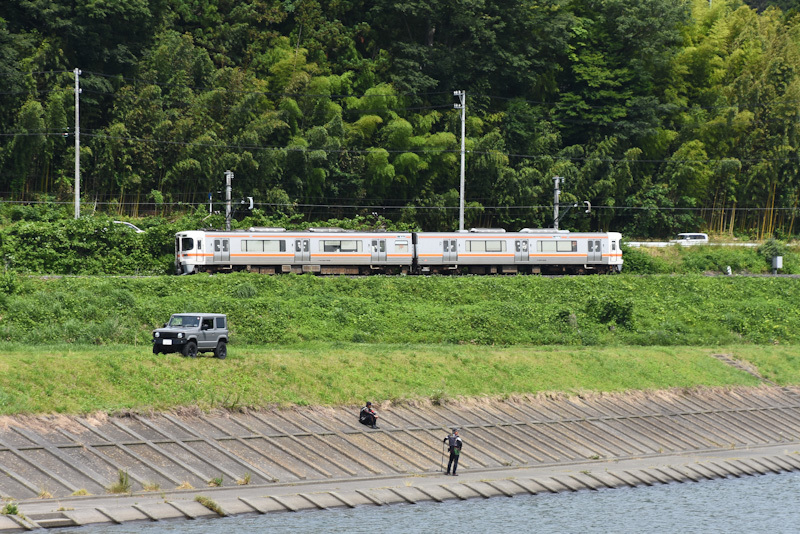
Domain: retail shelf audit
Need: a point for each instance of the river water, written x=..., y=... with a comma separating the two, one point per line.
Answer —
x=767, y=504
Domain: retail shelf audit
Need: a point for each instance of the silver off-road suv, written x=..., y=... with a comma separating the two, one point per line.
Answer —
x=190, y=333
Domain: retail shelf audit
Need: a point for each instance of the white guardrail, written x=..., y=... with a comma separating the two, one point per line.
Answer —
x=670, y=243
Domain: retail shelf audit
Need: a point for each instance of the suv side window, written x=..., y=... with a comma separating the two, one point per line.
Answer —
x=220, y=322
x=208, y=324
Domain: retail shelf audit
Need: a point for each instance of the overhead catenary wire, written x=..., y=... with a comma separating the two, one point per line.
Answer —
x=402, y=207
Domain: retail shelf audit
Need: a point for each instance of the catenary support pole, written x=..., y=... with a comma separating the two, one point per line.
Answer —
x=228, y=179
x=556, y=194
x=462, y=96
x=77, y=145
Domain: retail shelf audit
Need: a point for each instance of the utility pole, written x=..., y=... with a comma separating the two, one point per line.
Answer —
x=228, y=178
x=557, y=180
x=462, y=96
x=77, y=145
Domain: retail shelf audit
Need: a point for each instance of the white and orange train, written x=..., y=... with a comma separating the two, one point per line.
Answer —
x=337, y=251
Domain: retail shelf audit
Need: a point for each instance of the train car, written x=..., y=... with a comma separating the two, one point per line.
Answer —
x=274, y=250
x=337, y=251
x=531, y=250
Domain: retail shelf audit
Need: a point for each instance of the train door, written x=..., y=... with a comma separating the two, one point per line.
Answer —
x=302, y=250
x=449, y=251
x=521, y=250
x=222, y=249
x=378, y=250
x=595, y=253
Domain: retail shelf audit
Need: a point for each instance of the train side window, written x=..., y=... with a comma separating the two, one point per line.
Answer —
x=495, y=245
x=263, y=245
x=561, y=245
x=187, y=243
x=474, y=245
x=401, y=246
x=613, y=245
x=566, y=246
x=337, y=245
x=351, y=245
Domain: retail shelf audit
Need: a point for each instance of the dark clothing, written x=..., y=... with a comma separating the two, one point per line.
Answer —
x=368, y=417
x=454, y=443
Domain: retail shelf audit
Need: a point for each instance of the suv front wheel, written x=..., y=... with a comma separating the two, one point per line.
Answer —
x=221, y=351
x=190, y=349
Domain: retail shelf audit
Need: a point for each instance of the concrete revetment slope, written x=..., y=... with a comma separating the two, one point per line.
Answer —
x=59, y=471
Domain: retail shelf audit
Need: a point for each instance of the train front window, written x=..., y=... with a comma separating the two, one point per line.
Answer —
x=187, y=243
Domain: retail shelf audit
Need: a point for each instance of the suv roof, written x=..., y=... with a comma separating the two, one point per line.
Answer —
x=200, y=314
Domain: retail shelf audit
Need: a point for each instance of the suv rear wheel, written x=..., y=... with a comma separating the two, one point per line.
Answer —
x=221, y=351
x=190, y=349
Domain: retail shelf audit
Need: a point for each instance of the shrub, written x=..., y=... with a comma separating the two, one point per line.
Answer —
x=611, y=310
x=637, y=261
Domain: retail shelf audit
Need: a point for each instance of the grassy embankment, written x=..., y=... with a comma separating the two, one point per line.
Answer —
x=74, y=345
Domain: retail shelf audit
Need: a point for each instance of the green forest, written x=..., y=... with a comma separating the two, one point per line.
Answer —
x=665, y=115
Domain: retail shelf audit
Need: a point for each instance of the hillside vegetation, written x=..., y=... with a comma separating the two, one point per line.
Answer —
x=516, y=310
x=666, y=115
x=80, y=344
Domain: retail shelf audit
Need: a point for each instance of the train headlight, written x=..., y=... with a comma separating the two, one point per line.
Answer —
x=157, y=334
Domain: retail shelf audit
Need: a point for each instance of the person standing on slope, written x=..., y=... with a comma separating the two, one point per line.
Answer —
x=454, y=443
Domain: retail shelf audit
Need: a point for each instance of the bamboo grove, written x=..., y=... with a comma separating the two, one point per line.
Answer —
x=664, y=114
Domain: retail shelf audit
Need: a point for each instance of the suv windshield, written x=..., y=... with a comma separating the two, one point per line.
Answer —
x=190, y=321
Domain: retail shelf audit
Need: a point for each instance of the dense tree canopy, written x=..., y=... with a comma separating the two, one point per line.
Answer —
x=664, y=114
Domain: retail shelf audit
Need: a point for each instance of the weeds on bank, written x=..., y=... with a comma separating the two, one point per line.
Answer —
x=122, y=485
x=210, y=504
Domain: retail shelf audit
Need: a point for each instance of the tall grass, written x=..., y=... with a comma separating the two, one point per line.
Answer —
x=73, y=379
x=530, y=310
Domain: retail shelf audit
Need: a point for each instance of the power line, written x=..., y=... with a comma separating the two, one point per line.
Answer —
x=402, y=207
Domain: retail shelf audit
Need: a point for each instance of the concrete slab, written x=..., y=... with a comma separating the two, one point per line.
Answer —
x=378, y=479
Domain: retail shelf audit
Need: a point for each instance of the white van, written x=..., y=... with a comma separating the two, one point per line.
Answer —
x=691, y=238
